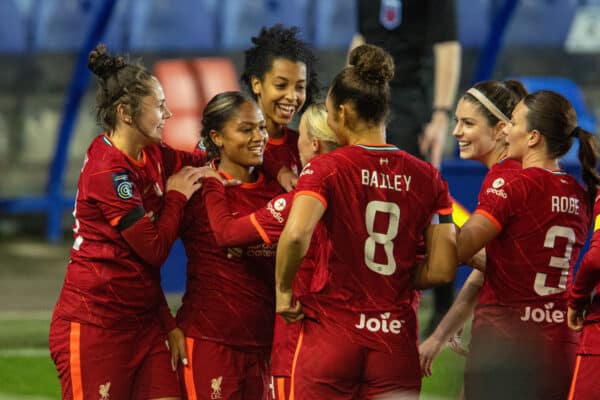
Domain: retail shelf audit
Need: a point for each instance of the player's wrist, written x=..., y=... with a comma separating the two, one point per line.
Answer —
x=439, y=111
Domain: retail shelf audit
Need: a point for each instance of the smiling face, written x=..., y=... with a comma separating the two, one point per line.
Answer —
x=476, y=139
x=153, y=113
x=517, y=133
x=242, y=139
x=281, y=92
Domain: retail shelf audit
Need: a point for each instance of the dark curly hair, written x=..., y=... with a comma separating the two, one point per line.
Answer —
x=120, y=82
x=279, y=42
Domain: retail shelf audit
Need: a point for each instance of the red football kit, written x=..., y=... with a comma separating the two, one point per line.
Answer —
x=543, y=219
x=359, y=336
x=228, y=309
x=282, y=152
x=125, y=225
x=586, y=382
x=266, y=224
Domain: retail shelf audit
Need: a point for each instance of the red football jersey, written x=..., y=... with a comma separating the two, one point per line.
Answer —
x=543, y=217
x=379, y=201
x=501, y=171
x=587, y=282
x=282, y=152
x=107, y=283
x=228, y=298
x=268, y=223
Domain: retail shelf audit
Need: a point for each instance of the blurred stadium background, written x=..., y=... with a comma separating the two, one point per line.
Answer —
x=47, y=119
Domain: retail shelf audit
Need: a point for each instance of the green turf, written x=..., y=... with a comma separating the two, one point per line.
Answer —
x=27, y=372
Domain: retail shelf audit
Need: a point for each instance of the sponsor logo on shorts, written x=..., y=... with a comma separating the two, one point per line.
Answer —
x=546, y=314
x=215, y=385
x=103, y=390
x=380, y=324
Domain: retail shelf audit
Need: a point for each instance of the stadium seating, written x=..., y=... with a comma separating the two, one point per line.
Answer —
x=334, y=23
x=13, y=30
x=61, y=25
x=242, y=19
x=188, y=86
x=540, y=23
x=569, y=89
x=473, y=21
x=173, y=25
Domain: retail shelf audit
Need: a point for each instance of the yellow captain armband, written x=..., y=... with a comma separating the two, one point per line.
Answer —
x=596, y=222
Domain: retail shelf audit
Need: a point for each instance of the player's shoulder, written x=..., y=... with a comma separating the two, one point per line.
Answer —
x=102, y=155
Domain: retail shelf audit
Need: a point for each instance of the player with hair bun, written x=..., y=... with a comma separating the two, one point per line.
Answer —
x=280, y=72
x=358, y=337
x=111, y=321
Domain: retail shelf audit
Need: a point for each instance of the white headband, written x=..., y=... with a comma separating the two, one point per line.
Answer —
x=488, y=104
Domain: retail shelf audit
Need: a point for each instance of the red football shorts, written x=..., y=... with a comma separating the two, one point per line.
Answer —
x=218, y=371
x=586, y=378
x=505, y=368
x=330, y=366
x=97, y=363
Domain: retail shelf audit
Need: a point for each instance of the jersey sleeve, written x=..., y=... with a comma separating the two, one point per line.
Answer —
x=443, y=203
x=228, y=230
x=588, y=275
x=117, y=194
x=174, y=160
x=316, y=179
x=499, y=200
x=442, y=21
x=270, y=220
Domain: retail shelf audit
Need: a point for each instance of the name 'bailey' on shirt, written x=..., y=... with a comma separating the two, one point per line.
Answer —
x=380, y=180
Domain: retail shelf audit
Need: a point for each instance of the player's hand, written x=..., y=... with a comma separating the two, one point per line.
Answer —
x=287, y=179
x=428, y=351
x=456, y=345
x=186, y=181
x=433, y=138
x=575, y=319
x=176, y=344
x=284, y=307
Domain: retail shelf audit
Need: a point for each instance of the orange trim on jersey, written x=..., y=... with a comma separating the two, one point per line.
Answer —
x=445, y=211
x=188, y=370
x=244, y=185
x=490, y=217
x=281, y=388
x=260, y=229
x=574, y=379
x=311, y=194
x=75, y=360
x=139, y=163
x=278, y=141
x=376, y=145
x=296, y=353
x=115, y=221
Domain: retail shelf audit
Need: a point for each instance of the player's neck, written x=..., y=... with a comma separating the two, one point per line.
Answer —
x=236, y=171
x=127, y=143
x=494, y=157
x=536, y=159
x=368, y=135
x=275, y=130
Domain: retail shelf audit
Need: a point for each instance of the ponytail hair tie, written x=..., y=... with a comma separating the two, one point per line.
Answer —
x=575, y=132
